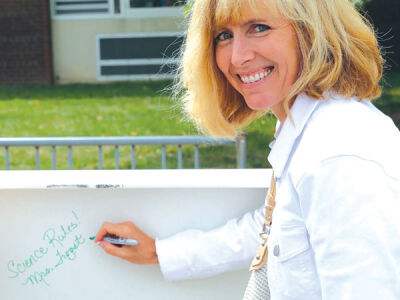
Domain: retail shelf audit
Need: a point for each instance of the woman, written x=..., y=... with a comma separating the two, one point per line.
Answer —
x=315, y=65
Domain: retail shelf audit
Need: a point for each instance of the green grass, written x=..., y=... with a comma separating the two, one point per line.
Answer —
x=126, y=109
x=390, y=99
x=116, y=109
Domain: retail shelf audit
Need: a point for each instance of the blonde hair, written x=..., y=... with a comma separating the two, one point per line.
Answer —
x=338, y=49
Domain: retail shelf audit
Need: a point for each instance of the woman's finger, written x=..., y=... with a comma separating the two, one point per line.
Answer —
x=109, y=228
x=114, y=250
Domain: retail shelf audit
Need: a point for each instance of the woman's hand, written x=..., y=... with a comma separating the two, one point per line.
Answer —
x=143, y=253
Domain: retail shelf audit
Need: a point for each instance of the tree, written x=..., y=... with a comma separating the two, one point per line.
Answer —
x=385, y=16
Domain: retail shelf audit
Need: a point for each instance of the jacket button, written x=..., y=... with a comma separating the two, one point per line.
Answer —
x=276, y=250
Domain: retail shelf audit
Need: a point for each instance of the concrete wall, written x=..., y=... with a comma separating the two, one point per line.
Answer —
x=74, y=42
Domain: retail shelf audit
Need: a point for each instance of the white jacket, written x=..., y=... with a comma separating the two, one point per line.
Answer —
x=336, y=224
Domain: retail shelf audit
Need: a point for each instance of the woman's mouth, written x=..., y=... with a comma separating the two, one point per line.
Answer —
x=257, y=76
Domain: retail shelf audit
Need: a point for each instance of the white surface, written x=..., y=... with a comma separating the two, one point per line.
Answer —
x=160, y=202
x=218, y=178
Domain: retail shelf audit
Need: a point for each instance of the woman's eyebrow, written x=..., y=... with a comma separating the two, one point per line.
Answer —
x=219, y=29
x=252, y=21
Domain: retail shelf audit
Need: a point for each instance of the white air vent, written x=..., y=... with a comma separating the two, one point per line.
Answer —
x=138, y=56
x=78, y=7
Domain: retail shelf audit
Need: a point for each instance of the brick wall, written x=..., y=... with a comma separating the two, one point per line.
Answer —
x=25, y=55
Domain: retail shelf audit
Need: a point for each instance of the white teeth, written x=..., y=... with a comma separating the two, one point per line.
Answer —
x=256, y=77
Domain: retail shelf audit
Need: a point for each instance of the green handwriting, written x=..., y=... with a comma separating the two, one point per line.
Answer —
x=38, y=277
x=57, y=238
x=70, y=253
x=17, y=268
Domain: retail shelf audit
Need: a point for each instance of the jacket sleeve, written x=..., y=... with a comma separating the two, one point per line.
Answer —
x=350, y=206
x=196, y=253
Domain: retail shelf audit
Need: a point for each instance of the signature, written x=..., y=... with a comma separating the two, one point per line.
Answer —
x=61, y=242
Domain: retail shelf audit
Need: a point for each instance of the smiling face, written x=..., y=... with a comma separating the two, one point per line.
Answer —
x=259, y=57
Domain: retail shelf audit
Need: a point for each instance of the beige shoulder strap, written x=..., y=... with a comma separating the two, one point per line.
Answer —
x=262, y=253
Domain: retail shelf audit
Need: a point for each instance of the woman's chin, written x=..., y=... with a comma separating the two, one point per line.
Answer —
x=257, y=106
x=262, y=102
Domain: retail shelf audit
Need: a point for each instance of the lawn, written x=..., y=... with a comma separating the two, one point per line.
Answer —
x=126, y=109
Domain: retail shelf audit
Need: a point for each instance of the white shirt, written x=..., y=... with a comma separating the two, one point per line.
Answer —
x=336, y=224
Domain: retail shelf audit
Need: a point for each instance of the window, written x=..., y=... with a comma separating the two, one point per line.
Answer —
x=93, y=9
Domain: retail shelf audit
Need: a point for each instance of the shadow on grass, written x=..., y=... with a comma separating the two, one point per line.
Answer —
x=82, y=91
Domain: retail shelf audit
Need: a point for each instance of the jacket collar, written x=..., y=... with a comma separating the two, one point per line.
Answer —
x=289, y=131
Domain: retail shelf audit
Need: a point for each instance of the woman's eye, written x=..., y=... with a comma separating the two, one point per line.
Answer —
x=261, y=27
x=223, y=36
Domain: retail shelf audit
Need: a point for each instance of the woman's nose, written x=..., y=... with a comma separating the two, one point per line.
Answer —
x=241, y=51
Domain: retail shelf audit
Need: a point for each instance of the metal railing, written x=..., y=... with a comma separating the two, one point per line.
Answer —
x=162, y=141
